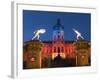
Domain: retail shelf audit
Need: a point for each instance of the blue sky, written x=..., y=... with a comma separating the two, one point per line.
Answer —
x=33, y=20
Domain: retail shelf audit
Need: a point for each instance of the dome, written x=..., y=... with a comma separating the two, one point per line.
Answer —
x=58, y=25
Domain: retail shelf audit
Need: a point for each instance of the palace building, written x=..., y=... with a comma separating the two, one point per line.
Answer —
x=58, y=52
x=58, y=46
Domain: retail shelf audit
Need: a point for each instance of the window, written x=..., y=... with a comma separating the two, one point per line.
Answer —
x=58, y=36
x=62, y=49
x=58, y=49
x=54, y=49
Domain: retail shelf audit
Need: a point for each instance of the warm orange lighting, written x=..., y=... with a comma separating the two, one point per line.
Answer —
x=32, y=59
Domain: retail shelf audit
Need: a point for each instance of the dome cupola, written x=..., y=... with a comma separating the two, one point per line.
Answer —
x=58, y=25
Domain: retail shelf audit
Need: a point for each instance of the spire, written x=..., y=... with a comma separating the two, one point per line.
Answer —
x=58, y=21
x=58, y=25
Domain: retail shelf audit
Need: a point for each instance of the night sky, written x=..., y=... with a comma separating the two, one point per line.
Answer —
x=33, y=20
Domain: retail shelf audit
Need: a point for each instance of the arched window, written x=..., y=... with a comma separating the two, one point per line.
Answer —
x=58, y=36
x=62, y=49
x=54, y=49
x=58, y=49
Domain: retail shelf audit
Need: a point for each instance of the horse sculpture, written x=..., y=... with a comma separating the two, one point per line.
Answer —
x=78, y=34
x=37, y=33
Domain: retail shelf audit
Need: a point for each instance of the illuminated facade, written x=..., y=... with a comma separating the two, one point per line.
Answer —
x=58, y=46
x=56, y=53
